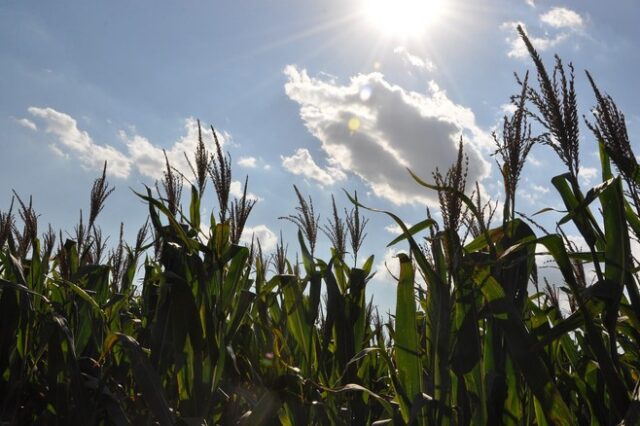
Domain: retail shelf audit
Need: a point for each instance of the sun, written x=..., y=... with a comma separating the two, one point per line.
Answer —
x=403, y=18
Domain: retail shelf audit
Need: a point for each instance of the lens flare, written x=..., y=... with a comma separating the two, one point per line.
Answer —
x=354, y=124
x=365, y=93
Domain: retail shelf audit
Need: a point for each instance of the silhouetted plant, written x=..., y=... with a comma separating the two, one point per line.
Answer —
x=240, y=210
x=172, y=186
x=99, y=194
x=557, y=108
x=220, y=172
x=7, y=225
x=280, y=257
x=305, y=219
x=356, y=226
x=454, y=181
x=610, y=129
x=48, y=241
x=514, y=145
x=209, y=337
x=486, y=211
x=29, y=232
x=335, y=230
x=201, y=163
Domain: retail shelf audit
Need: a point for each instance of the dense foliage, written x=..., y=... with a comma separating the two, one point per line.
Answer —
x=218, y=333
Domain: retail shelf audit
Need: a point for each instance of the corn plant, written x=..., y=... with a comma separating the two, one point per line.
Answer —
x=189, y=326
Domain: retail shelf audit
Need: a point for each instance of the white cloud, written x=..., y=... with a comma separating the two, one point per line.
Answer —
x=413, y=60
x=236, y=189
x=395, y=228
x=508, y=109
x=56, y=150
x=532, y=198
x=566, y=22
x=149, y=160
x=379, y=136
x=587, y=174
x=534, y=161
x=388, y=268
x=138, y=154
x=268, y=239
x=534, y=195
x=249, y=162
x=301, y=163
x=26, y=123
x=541, y=189
x=531, y=3
x=78, y=143
x=560, y=17
x=517, y=48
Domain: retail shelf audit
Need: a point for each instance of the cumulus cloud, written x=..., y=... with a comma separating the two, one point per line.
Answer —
x=26, y=123
x=517, y=48
x=413, y=60
x=149, y=160
x=534, y=161
x=72, y=140
x=587, y=174
x=268, y=239
x=378, y=136
x=508, y=109
x=236, y=189
x=57, y=151
x=534, y=195
x=249, y=162
x=388, y=268
x=565, y=22
x=560, y=17
x=541, y=189
x=301, y=163
x=395, y=228
x=138, y=153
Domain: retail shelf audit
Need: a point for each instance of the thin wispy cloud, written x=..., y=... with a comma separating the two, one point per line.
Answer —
x=148, y=158
x=138, y=154
x=77, y=143
x=560, y=17
x=395, y=228
x=564, y=23
x=541, y=189
x=249, y=162
x=517, y=48
x=588, y=174
x=379, y=136
x=414, y=60
x=302, y=163
x=26, y=123
x=236, y=189
x=268, y=238
x=134, y=153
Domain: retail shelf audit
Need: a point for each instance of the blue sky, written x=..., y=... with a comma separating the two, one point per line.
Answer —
x=312, y=93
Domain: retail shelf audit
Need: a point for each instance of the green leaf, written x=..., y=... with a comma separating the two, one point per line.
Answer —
x=425, y=224
x=407, y=354
x=520, y=345
x=194, y=209
x=145, y=376
x=581, y=215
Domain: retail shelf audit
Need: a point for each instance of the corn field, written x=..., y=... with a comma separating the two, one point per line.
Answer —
x=186, y=326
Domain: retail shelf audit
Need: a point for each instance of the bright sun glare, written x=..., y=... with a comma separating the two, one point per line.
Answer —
x=403, y=18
